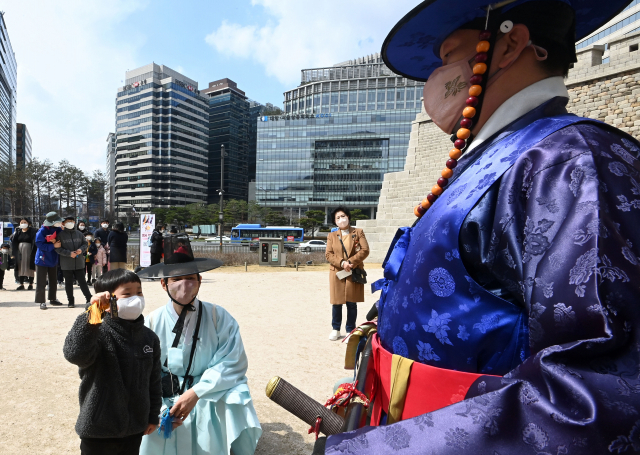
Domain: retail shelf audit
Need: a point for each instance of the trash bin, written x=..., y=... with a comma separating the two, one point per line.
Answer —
x=271, y=251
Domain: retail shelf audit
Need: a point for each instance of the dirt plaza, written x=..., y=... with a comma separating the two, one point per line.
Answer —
x=284, y=318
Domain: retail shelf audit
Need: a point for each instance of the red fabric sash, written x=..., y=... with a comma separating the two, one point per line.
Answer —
x=429, y=388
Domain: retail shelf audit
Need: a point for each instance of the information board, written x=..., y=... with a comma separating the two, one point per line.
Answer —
x=147, y=224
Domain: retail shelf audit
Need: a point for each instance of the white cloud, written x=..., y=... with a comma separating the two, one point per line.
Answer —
x=70, y=63
x=306, y=34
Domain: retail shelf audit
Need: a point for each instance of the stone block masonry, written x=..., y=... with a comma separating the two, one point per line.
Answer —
x=608, y=92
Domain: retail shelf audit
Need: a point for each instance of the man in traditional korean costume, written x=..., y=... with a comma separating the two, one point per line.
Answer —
x=204, y=384
x=508, y=315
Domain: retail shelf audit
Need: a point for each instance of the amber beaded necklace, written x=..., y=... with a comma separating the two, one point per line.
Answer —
x=477, y=81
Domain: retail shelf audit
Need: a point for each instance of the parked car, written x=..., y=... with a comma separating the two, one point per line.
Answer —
x=217, y=239
x=312, y=245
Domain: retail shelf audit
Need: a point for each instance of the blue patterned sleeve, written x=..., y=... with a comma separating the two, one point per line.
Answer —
x=563, y=241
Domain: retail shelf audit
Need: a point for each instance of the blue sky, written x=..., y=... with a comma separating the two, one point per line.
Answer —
x=72, y=54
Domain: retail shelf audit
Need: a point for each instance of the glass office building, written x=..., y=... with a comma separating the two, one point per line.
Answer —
x=628, y=21
x=343, y=128
x=23, y=146
x=8, y=96
x=228, y=126
x=162, y=133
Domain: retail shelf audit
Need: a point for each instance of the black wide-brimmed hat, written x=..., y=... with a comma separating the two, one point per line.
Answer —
x=178, y=260
x=412, y=48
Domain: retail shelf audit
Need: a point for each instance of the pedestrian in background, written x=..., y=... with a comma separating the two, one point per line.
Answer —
x=117, y=241
x=72, y=251
x=103, y=234
x=100, y=259
x=47, y=259
x=24, y=252
x=157, y=244
x=347, y=248
x=90, y=258
x=6, y=262
x=82, y=227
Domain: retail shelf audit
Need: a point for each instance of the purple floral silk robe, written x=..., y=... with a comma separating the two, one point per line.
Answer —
x=558, y=234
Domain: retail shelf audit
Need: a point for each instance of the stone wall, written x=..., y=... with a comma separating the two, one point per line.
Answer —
x=604, y=91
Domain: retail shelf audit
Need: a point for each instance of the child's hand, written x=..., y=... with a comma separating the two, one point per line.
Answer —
x=150, y=428
x=103, y=300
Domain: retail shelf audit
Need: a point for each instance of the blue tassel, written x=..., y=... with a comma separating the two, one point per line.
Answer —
x=166, y=424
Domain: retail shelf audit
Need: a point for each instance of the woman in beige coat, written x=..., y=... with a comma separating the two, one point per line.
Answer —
x=345, y=291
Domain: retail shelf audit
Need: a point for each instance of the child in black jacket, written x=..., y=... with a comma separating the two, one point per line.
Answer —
x=119, y=365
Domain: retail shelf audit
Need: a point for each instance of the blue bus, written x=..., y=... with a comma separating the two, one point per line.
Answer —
x=245, y=233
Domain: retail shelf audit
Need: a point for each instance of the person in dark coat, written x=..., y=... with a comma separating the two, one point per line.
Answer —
x=46, y=260
x=23, y=250
x=117, y=241
x=102, y=233
x=72, y=251
x=157, y=246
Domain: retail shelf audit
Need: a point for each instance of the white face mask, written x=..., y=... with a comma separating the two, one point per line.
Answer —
x=69, y=225
x=105, y=225
x=97, y=243
x=342, y=222
x=130, y=308
x=81, y=226
x=57, y=224
x=88, y=238
x=23, y=225
x=5, y=251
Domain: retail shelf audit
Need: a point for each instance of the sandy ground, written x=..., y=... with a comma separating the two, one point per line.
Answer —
x=284, y=317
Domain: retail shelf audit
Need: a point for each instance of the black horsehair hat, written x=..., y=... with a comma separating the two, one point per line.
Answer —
x=178, y=260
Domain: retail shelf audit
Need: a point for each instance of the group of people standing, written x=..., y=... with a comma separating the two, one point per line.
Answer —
x=63, y=253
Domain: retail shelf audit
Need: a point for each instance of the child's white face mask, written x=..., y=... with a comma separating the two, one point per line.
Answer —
x=5, y=251
x=130, y=308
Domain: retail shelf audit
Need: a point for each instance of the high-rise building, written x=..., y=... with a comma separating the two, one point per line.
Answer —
x=162, y=128
x=8, y=93
x=343, y=128
x=628, y=21
x=23, y=146
x=228, y=126
x=111, y=173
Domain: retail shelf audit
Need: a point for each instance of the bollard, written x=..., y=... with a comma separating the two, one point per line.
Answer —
x=296, y=266
x=245, y=266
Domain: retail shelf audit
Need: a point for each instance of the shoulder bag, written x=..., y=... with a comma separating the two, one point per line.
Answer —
x=357, y=275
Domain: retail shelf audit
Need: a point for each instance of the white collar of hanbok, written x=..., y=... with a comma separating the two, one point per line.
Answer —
x=519, y=104
x=191, y=316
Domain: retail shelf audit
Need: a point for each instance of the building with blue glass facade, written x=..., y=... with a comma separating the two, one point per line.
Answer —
x=343, y=128
x=8, y=95
x=162, y=133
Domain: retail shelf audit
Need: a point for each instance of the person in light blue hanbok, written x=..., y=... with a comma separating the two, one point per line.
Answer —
x=204, y=387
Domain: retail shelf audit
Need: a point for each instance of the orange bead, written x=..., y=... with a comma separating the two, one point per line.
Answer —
x=455, y=154
x=469, y=112
x=483, y=46
x=447, y=173
x=479, y=68
x=475, y=90
x=425, y=203
x=463, y=133
x=416, y=212
x=437, y=190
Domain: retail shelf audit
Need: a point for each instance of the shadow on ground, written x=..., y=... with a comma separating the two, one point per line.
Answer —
x=279, y=438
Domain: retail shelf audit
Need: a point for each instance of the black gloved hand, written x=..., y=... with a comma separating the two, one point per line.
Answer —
x=318, y=448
